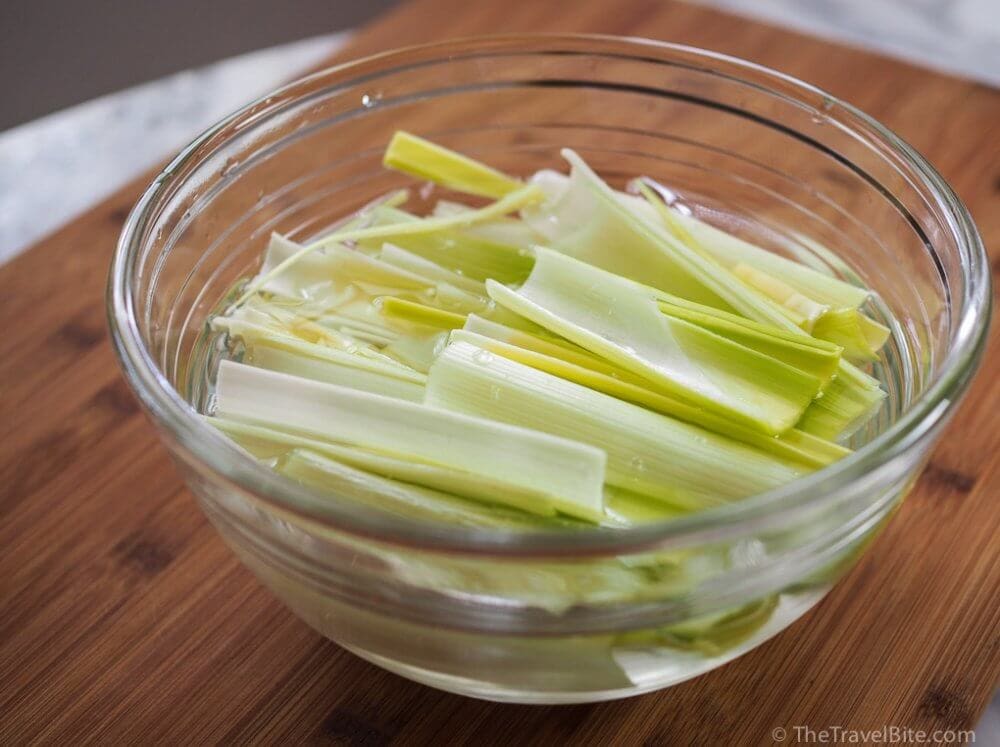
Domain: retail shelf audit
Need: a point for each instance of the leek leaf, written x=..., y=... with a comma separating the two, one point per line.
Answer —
x=801, y=309
x=474, y=256
x=426, y=160
x=848, y=402
x=323, y=369
x=621, y=321
x=585, y=218
x=860, y=336
x=401, y=498
x=731, y=251
x=271, y=444
x=511, y=202
x=816, y=357
x=422, y=266
x=793, y=445
x=400, y=308
x=558, y=472
x=683, y=465
x=509, y=231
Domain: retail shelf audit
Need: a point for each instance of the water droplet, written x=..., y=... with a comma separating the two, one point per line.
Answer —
x=449, y=243
x=817, y=118
x=491, y=305
x=230, y=166
x=482, y=357
x=369, y=100
x=638, y=464
x=430, y=292
x=378, y=303
x=459, y=272
x=494, y=392
x=615, y=375
x=352, y=349
x=426, y=190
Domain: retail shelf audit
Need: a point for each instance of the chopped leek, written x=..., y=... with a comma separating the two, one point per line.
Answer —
x=400, y=308
x=395, y=497
x=427, y=160
x=585, y=218
x=567, y=355
x=731, y=251
x=461, y=251
x=268, y=443
x=793, y=444
x=800, y=309
x=648, y=453
x=621, y=321
x=511, y=202
x=418, y=265
x=860, y=336
x=543, y=472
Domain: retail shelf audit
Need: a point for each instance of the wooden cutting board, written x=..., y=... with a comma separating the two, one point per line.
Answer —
x=123, y=618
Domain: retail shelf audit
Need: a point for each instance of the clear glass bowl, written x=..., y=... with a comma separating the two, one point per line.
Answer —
x=581, y=616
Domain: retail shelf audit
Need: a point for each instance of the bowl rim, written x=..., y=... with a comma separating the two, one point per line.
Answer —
x=204, y=446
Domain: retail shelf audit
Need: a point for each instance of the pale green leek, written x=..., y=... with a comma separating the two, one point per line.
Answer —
x=621, y=321
x=555, y=472
x=647, y=453
x=426, y=160
x=567, y=354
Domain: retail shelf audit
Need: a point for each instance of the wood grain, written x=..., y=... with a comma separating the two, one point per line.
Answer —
x=125, y=619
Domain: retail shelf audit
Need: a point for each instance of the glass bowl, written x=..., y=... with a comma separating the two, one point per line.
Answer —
x=576, y=616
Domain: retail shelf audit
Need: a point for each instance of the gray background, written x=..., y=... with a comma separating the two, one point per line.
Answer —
x=56, y=53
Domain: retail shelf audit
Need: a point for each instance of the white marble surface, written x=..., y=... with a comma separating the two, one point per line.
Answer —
x=55, y=167
x=961, y=37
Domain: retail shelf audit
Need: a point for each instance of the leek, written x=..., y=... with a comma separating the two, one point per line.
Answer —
x=422, y=158
x=271, y=444
x=849, y=402
x=400, y=308
x=555, y=472
x=793, y=445
x=621, y=321
x=817, y=357
x=647, y=453
x=860, y=336
x=732, y=251
x=802, y=310
x=566, y=355
x=458, y=250
x=398, y=498
x=584, y=217
x=511, y=202
x=418, y=265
